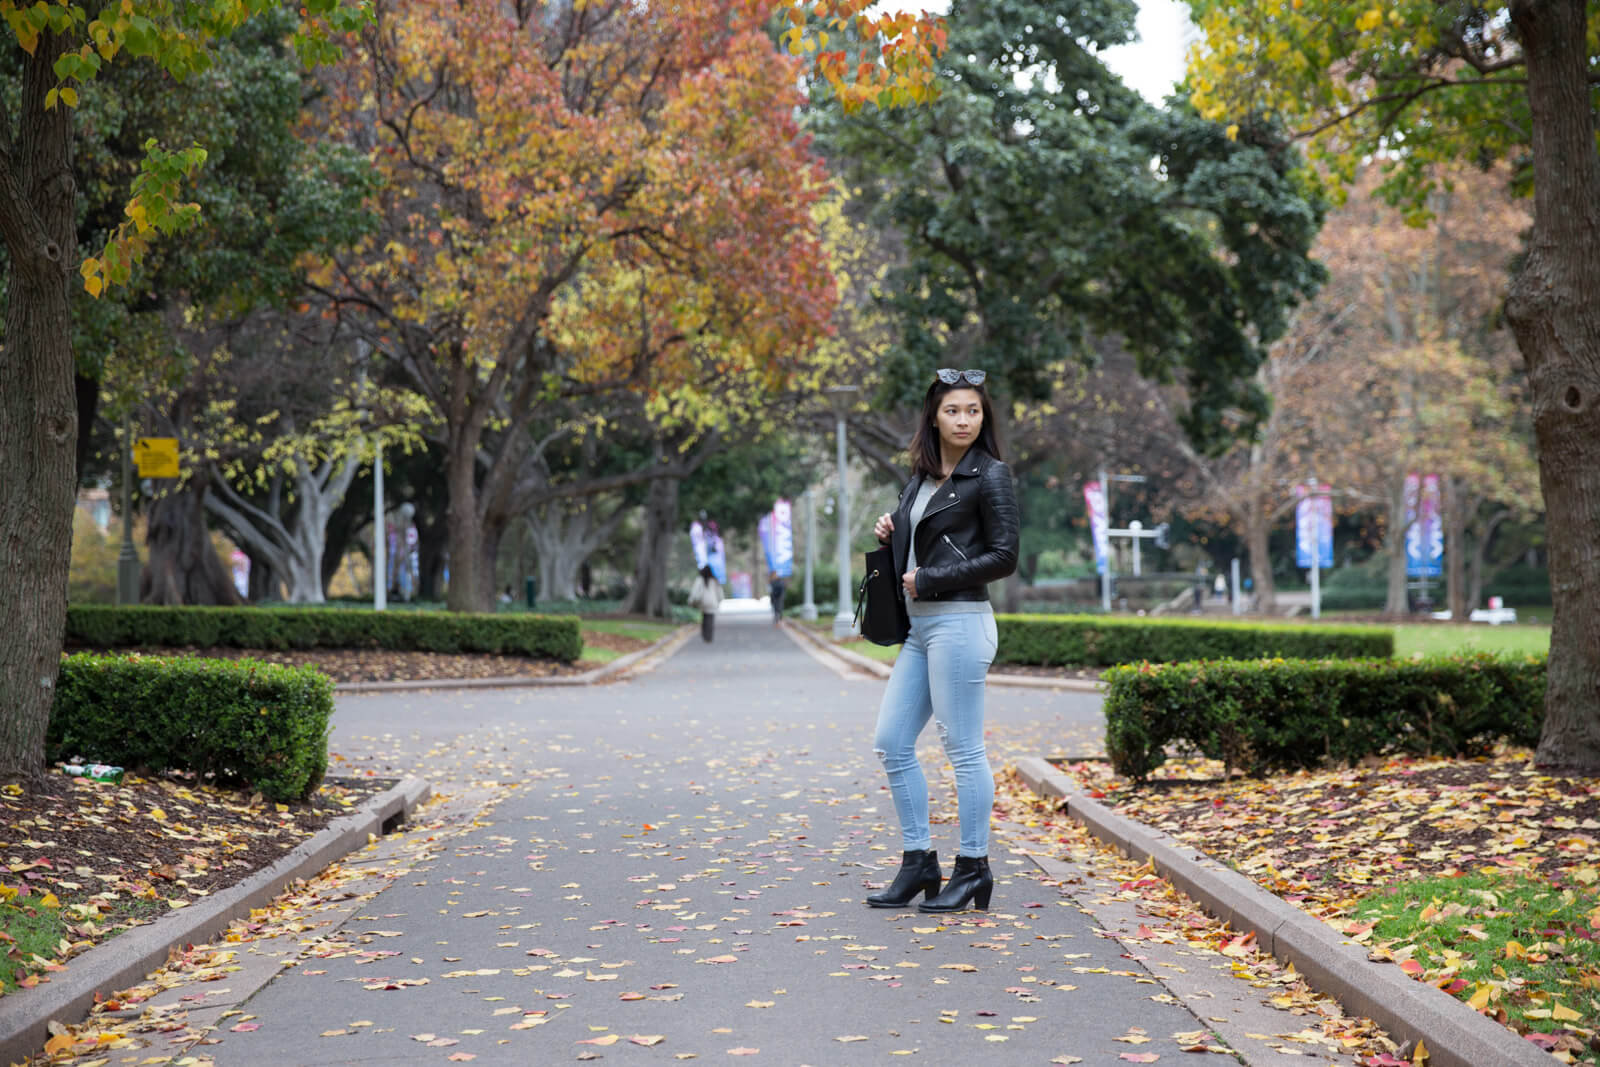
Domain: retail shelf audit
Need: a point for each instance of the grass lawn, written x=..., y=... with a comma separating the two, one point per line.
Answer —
x=1442, y=639
x=637, y=629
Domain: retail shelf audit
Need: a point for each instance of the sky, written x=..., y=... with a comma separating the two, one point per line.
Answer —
x=1150, y=66
x=1157, y=60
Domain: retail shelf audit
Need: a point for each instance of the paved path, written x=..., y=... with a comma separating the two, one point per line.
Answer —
x=679, y=871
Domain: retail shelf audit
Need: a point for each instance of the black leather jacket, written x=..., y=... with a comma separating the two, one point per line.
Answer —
x=968, y=534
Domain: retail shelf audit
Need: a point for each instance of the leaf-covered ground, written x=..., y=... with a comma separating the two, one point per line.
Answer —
x=83, y=860
x=1330, y=842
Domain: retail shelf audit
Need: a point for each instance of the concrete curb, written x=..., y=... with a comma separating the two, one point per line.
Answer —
x=856, y=659
x=126, y=959
x=599, y=674
x=1409, y=1010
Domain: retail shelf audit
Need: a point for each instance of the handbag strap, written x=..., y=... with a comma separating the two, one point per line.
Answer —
x=861, y=599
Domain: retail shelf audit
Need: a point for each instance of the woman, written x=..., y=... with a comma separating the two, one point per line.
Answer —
x=954, y=530
x=706, y=594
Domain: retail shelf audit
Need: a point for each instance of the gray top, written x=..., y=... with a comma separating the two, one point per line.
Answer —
x=914, y=606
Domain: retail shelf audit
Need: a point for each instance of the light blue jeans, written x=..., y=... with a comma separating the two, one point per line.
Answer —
x=940, y=674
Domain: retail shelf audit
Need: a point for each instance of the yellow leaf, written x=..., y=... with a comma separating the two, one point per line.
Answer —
x=1369, y=19
x=50, y=99
x=94, y=284
x=1420, y=1056
x=1233, y=131
x=58, y=1044
x=1563, y=1014
x=69, y=96
x=49, y=901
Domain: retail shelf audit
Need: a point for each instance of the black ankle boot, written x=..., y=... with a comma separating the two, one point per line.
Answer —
x=919, y=873
x=970, y=880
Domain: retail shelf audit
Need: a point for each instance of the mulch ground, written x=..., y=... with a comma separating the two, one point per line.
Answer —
x=1326, y=840
x=380, y=665
x=102, y=856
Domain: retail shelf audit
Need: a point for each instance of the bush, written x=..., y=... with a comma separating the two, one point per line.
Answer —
x=98, y=626
x=241, y=721
x=1100, y=640
x=1520, y=586
x=1276, y=715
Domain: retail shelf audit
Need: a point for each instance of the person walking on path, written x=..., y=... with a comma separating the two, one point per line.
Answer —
x=776, y=587
x=706, y=594
x=953, y=531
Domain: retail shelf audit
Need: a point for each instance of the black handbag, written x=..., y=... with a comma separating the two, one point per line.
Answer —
x=880, y=605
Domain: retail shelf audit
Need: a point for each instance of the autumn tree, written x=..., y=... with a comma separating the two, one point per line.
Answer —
x=576, y=200
x=1420, y=83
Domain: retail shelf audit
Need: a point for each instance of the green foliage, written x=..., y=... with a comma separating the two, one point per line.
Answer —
x=1277, y=715
x=1033, y=220
x=239, y=720
x=737, y=486
x=97, y=626
x=1099, y=640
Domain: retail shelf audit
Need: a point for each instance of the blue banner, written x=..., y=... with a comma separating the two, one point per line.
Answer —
x=1424, y=531
x=1313, y=527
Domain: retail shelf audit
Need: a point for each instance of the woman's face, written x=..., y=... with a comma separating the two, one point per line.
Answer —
x=959, y=418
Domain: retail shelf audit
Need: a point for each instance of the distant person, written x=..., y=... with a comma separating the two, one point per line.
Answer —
x=775, y=591
x=953, y=532
x=585, y=579
x=1199, y=588
x=1220, y=587
x=706, y=595
x=505, y=595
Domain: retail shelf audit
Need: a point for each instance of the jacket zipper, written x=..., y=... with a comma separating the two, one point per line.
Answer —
x=952, y=544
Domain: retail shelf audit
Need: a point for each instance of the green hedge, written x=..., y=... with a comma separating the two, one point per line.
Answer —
x=99, y=626
x=240, y=720
x=1277, y=715
x=1102, y=641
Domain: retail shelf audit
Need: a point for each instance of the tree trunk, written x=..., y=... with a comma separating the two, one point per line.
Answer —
x=293, y=543
x=38, y=411
x=469, y=589
x=493, y=531
x=1256, y=534
x=1556, y=318
x=649, y=594
x=1455, y=537
x=1480, y=553
x=181, y=567
x=564, y=535
x=432, y=555
x=1394, y=543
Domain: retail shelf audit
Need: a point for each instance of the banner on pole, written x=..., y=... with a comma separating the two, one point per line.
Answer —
x=716, y=554
x=777, y=538
x=1424, y=531
x=1094, y=497
x=1313, y=526
x=697, y=541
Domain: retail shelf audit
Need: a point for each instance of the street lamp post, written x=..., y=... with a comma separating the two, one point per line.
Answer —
x=808, y=610
x=843, y=619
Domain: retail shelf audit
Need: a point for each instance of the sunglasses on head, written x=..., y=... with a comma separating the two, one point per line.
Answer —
x=951, y=377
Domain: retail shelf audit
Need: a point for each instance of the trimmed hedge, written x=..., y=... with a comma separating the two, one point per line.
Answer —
x=542, y=637
x=242, y=721
x=1278, y=715
x=1103, y=641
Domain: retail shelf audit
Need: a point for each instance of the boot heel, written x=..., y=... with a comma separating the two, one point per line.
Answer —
x=980, y=899
x=930, y=890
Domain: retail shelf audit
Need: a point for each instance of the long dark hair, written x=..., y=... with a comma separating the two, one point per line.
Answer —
x=925, y=454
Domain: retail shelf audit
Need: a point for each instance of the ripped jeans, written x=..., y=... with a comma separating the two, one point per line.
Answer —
x=940, y=674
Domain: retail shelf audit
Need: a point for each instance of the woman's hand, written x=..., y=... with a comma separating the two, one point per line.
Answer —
x=909, y=581
x=883, y=528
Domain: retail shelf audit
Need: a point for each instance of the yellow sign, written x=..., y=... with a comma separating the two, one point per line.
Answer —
x=157, y=457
